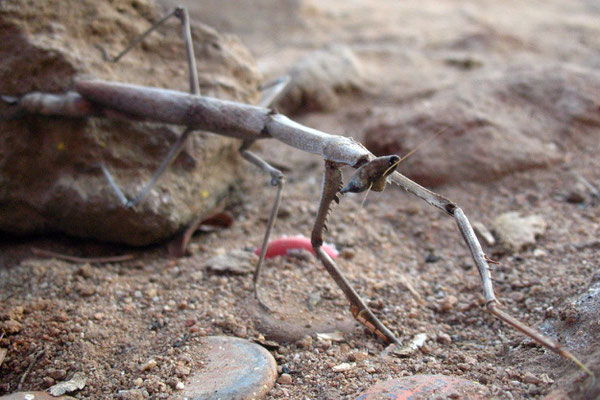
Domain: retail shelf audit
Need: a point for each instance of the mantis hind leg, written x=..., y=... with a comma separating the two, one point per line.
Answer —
x=277, y=179
x=270, y=92
x=182, y=14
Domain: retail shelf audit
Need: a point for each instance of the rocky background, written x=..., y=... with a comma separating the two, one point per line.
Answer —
x=514, y=92
x=49, y=168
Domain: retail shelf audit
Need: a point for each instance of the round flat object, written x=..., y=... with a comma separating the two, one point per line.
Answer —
x=234, y=369
x=424, y=387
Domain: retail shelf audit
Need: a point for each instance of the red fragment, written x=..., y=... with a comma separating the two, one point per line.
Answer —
x=281, y=246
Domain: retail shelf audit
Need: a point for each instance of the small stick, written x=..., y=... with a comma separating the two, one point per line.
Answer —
x=178, y=245
x=99, y=260
x=29, y=367
x=3, y=352
x=593, y=190
x=404, y=280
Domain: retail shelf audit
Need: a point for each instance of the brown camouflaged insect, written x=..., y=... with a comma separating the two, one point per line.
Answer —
x=96, y=98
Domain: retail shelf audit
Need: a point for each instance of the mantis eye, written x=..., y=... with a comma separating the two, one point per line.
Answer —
x=394, y=160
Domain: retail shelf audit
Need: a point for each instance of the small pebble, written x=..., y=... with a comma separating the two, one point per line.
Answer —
x=432, y=258
x=149, y=365
x=347, y=253
x=529, y=377
x=539, y=253
x=16, y=313
x=58, y=374
x=533, y=389
x=517, y=231
x=285, y=379
x=284, y=212
x=464, y=366
x=133, y=394
x=546, y=379
x=48, y=381
x=358, y=356
x=182, y=370
x=10, y=327
x=343, y=367
x=305, y=342
x=86, y=271
x=448, y=303
x=575, y=197
x=444, y=338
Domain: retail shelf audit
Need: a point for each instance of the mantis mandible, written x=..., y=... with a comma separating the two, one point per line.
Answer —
x=249, y=123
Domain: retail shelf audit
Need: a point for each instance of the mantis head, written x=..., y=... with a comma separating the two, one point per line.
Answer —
x=372, y=175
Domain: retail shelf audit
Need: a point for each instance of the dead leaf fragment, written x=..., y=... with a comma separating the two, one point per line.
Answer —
x=3, y=352
x=417, y=342
x=236, y=261
x=77, y=382
x=336, y=336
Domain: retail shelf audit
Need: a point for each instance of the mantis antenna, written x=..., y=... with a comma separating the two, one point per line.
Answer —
x=413, y=151
x=395, y=164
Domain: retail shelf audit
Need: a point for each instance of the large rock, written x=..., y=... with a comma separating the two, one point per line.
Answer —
x=494, y=125
x=574, y=323
x=515, y=231
x=319, y=78
x=49, y=175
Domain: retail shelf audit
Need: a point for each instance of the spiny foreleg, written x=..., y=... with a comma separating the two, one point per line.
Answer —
x=332, y=183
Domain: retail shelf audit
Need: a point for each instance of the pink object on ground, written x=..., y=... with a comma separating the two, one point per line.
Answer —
x=281, y=246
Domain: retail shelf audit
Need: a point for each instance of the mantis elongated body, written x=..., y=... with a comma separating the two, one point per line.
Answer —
x=249, y=123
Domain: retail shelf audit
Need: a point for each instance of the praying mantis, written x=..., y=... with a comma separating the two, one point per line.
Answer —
x=93, y=98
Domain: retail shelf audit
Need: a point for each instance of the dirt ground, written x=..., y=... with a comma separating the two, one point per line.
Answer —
x=108, y=319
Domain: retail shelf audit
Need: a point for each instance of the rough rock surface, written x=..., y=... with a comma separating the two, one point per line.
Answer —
x=575, y=324
x=49, y=175
x=516, y=231
x=318, y=78
x=575, y=321
x=491, y=125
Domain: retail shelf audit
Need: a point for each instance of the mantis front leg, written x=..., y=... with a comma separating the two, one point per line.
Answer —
x=332, y=183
